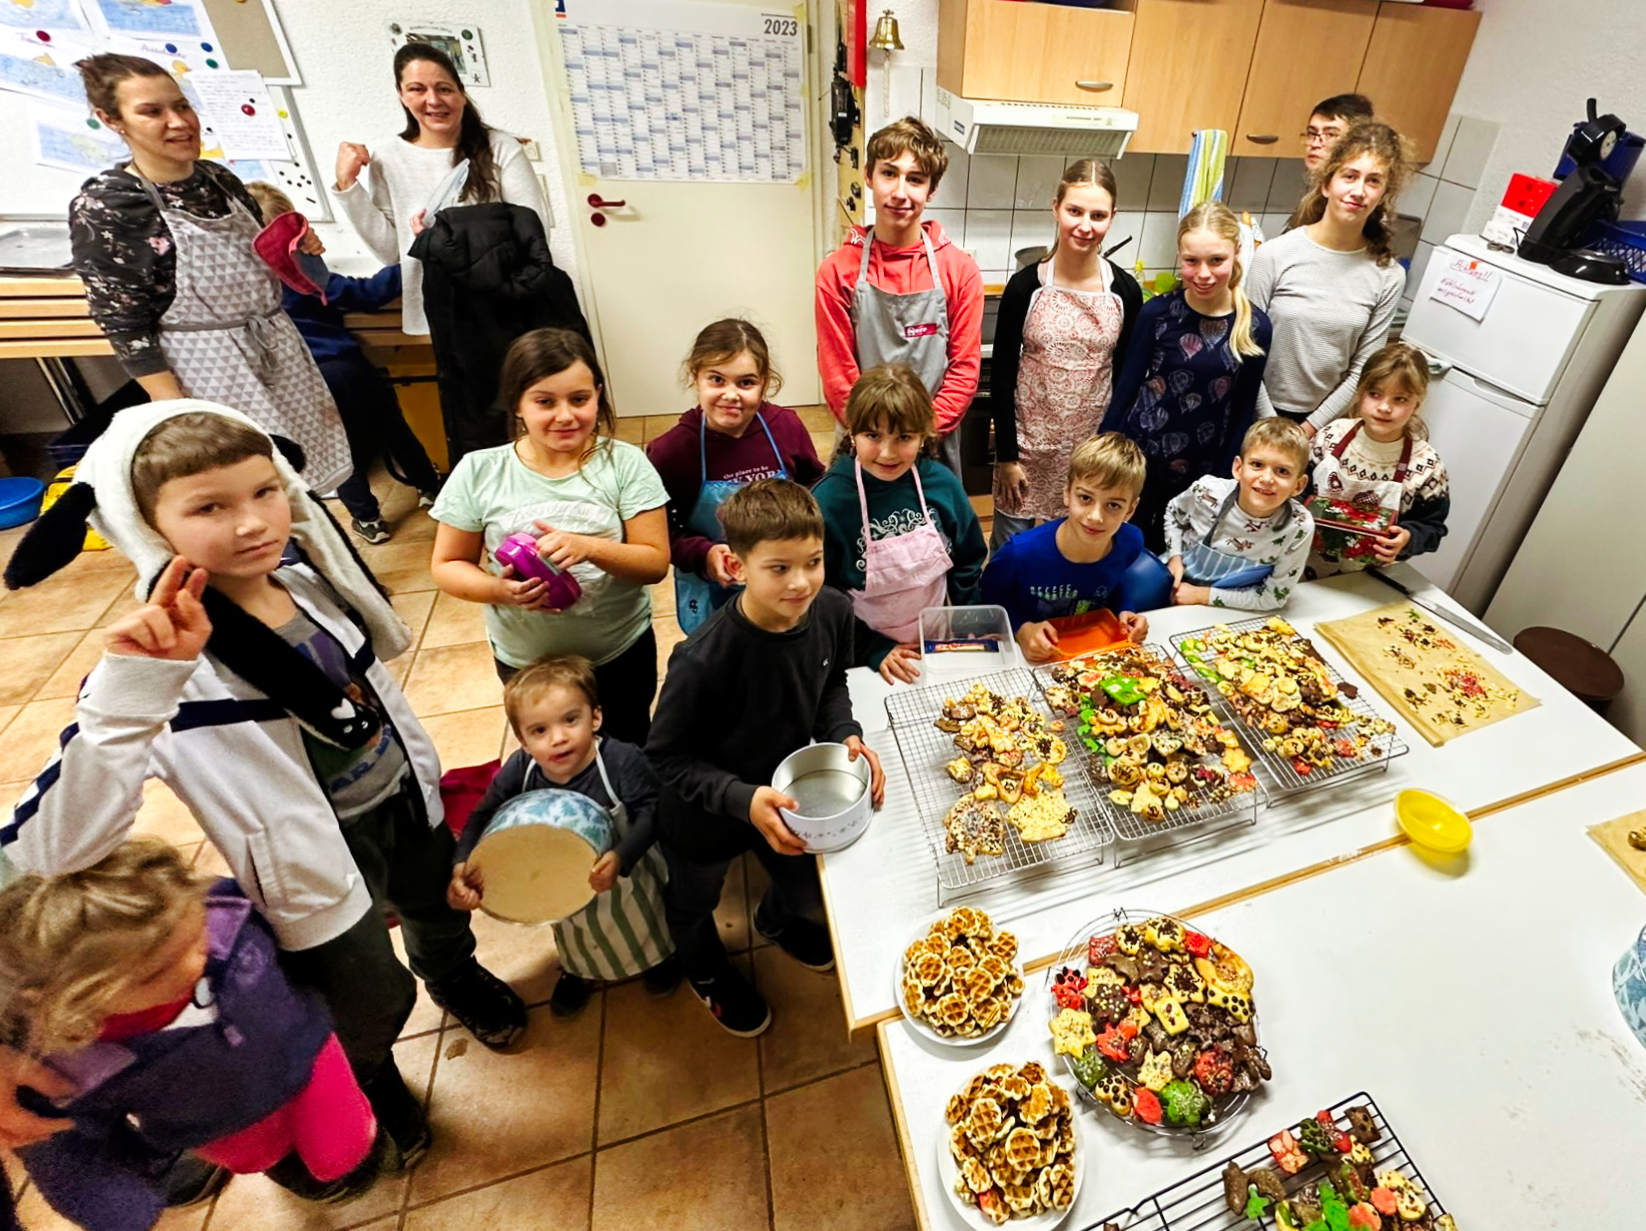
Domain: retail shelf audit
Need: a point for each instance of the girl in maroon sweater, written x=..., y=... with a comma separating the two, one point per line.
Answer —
x=732, y=437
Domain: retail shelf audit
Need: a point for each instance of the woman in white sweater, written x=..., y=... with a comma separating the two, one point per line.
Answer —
x=1331, y=285
x=442, y=127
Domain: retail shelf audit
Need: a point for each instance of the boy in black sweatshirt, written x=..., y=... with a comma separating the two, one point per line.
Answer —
x=764, y=676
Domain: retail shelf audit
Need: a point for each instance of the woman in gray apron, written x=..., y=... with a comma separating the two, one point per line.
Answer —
x=164, y=246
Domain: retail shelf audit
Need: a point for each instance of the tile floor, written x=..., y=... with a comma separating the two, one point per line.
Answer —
x=639, y=1113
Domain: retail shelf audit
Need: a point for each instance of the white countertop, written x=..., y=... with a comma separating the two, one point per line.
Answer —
x=1470, y=997
x=879, y=889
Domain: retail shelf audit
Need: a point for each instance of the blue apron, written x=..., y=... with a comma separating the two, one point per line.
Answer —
x=697, y=598
x=1205, y=565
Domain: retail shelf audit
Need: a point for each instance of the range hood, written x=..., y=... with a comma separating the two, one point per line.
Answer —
x=983, y=127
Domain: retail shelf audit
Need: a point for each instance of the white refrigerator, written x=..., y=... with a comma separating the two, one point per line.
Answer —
x=1520, y=355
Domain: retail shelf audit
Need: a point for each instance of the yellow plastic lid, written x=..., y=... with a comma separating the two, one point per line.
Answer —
x=1431, y=822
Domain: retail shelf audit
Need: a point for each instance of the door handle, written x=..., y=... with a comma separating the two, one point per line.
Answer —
x=1094, y=87
x=1262, y=138
x=597, y=202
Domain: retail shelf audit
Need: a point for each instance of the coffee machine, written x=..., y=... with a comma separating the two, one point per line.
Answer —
x=1589, y=195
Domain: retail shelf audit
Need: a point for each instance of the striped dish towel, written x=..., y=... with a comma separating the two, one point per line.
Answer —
x=1204, y=181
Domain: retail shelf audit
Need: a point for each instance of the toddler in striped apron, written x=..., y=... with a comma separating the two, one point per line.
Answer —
x=554, y=707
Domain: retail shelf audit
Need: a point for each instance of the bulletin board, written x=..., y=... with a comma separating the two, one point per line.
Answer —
x=251, y=35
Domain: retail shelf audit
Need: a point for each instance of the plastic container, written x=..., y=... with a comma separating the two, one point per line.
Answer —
x=1432, y=822
x=1629, y=986
x=1624, y=240
x=1619, y=164
x=833, y=793
x=20, y=501
x=536, y=855
x=520, y=550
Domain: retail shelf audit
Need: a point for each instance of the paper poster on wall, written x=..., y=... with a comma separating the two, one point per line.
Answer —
x=42, y=15
x=461, y=43
x=41, y=65
x=173, y=17
x=296, y=175
x=178, y=56
x=242, y=113
x=72, y=140
x=686, y=90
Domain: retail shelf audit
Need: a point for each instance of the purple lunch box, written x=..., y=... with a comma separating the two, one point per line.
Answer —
x=520, y=550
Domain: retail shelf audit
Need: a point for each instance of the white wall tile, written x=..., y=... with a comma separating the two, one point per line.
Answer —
x=1443, y=147
x=1250, y=187
x=1157, y=247
x=953, y=222
x=1447, y=212
x=1166, y=187
x=1470, y=150
x=1288, y=186
x=1127, y=225
x=928, y=95
x=1031, y=228
x=1419, y=195
x=951, y=192
x=1037, y=177
x=1420, y=262
x=1274, y=224
x=1131, y=178
x=989, y=237
x=993, y=182
x=997, y=277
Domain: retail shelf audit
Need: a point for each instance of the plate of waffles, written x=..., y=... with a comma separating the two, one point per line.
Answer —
x=1011, y=1150
x=960, y=979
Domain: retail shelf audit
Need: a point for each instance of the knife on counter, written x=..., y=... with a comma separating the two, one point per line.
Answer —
x=1458, y=619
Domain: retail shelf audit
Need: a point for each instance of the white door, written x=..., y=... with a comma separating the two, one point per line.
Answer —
x=1478, y=432
x=660, y=259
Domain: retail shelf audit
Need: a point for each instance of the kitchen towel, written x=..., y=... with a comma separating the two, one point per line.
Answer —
x=1204, y=180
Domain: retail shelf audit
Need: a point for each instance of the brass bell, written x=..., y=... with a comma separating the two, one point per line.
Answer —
x=886, y=37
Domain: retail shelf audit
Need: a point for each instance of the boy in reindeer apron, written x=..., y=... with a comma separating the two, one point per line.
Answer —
x=917, y=299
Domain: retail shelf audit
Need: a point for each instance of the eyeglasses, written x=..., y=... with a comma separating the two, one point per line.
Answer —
x=1318, y=136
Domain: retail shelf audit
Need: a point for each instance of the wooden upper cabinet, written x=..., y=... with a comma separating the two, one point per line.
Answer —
x=1412, y=68
x=1034, y=53
x=1190, y=60
x=1306, y=50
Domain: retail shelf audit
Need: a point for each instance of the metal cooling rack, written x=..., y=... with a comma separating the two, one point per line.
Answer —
x=1187, y=824
x=1196, y=1203
x=1285, y=777
x=925, y=750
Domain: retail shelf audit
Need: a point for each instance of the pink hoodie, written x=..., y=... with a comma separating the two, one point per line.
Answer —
x=900, y=271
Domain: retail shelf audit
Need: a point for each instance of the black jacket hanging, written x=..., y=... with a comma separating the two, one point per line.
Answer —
x=488, y=277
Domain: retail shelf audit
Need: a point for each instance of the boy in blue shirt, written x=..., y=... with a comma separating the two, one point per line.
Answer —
x=371, y=413
x=1079, y=562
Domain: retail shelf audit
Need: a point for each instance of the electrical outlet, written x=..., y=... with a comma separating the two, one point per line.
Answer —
x=533, y=153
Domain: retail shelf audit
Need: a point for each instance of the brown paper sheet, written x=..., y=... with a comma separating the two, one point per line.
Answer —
x=1613, y=837
x=1406, y=653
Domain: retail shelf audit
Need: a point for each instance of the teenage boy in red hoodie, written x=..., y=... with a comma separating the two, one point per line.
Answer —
x=901, y=291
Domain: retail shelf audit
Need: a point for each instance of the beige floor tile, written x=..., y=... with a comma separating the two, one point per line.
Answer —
x=31, y=737
x=30, y=662
x=62, y=604
x=510, y=744
x=7, y=713
x=11, y=792
x=816, y=418
x=453, y=678
x=632, y=429
x=165, y=816
x=643, y=1083
x=808, y=1038
x=823, y=445
x=495, y=1115
x=468, y=737
x=705, y=1176
x=124, y=604
x=400, y=668
x=848, y=1178
x=983, y=506
x=252, y=1203
x=414, y=607
x=209, y=861
x=97, y=562
x=413, y=525
x=400, y=566
x=522, y=957
x=556, y=1197
x=656, y=425
x=36, y=1215
x=455, y=621
x=732, y=914
x=72, y=671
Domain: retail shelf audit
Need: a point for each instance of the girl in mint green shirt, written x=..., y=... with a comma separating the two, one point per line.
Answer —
x=597, y=508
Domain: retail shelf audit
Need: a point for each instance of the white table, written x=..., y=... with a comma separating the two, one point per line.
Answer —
x=878, y=890
x=1496, y=1049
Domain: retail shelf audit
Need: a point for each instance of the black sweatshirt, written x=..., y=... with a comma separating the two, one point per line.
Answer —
x=736, y=701
x=632, y=779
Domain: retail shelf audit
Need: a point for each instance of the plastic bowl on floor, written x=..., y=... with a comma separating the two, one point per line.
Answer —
x=20, y=501
x=1433, y=823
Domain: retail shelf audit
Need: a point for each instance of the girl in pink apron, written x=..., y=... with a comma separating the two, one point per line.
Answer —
x=1061, y=324
x=732, y=437
x=899, y=532
x=1380, y=492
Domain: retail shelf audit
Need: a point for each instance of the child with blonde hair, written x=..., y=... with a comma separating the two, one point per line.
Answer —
x=1379, y=469
x=1190, y=385
x=158, y=996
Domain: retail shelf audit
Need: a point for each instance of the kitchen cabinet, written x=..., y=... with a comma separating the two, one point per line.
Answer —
x=1413, y=64
x=1306, y=50
x=1189, y=65
x=1034, y=53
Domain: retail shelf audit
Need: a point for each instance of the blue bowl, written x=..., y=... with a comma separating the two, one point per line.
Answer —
x=20, y=501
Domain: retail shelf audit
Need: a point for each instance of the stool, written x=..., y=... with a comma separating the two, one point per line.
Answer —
x=1580, y=667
